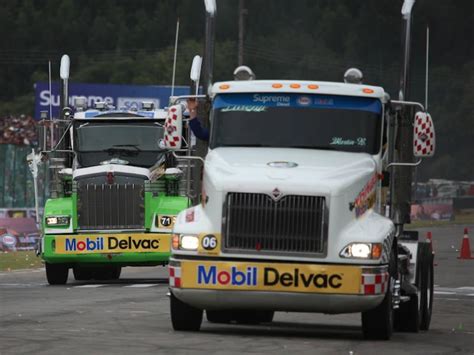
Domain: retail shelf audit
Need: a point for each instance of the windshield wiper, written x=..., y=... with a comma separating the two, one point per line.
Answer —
x=133, y=146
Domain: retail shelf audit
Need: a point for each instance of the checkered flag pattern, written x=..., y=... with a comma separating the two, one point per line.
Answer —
x=173, y=127
x=423, y=136
x=175, y=276
x=374, y=284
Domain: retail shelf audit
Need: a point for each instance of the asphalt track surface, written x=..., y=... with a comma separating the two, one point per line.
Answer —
x=131, y=316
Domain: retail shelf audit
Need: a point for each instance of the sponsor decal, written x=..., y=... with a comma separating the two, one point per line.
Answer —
x=211, y=276
x=280, y=100
x=271, y=277
x=118, y=243
x=135, y=103
x=304, y=100
x=190, y=215
x=324, y=101
x=359, y=141
x=366, y=198
x=244, y=108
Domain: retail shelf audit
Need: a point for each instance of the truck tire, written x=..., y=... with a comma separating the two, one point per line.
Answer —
x=427, y=285
x=82, y=273
x=56, y=274
x=377, y=323
x=183, y=316
x=409, y=316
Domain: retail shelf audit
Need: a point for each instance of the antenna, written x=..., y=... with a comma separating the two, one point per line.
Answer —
x=427, y=64
x=50, y=106
x=175, y=57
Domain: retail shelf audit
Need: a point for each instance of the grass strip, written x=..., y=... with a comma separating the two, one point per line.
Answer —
x=15, y=260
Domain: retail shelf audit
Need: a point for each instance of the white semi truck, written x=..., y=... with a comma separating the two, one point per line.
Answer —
x=305, y=192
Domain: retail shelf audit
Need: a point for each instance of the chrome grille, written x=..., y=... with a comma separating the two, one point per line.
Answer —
x=292, y=224
x=110, y=206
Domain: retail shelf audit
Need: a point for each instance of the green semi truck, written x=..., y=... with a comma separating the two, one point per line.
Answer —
x=115, y=188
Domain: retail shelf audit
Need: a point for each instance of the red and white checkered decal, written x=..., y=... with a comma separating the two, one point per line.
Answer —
x=374, y=284
x=173, y=127
x=423, y=136
x=175, y=276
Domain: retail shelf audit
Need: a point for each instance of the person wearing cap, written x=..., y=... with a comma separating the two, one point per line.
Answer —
x=242, y=72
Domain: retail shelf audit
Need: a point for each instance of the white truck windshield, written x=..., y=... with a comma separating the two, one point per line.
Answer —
x=331, y=122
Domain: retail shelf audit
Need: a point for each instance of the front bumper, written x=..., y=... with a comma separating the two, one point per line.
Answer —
x=324, y=288
x=107, y=248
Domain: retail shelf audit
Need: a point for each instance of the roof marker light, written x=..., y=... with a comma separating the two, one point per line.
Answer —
x=224, y=86
x=295, y=86
x=313, y=86
x=368, y=91
x=277, y=86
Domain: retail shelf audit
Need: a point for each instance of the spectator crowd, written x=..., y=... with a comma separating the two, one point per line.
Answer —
x=18, y=130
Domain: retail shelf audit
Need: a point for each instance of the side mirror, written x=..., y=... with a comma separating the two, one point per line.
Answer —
x=172, y=138
x=64, y=68
x=424, y=137
x=196, y=69
x=210, y=6
x=195, y=73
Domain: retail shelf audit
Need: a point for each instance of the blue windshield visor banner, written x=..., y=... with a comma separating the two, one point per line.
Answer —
x=94, y=113
x=254, y=101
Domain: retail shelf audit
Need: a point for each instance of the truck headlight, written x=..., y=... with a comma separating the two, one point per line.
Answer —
x=185, y=242
x=58, y=220
x=362, y=251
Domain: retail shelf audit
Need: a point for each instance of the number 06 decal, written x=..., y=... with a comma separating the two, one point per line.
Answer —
x=209, y=242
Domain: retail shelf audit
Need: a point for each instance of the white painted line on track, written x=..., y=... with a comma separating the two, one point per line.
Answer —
x=470, y=294
x=88, y=286
x=444, y=293
x=142, y=285
x=469, y=288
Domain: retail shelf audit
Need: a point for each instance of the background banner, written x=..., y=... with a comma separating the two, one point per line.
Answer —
x=127, y=96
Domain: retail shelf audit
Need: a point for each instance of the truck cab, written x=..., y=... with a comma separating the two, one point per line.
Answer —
x=116, y=191
x=293, y=215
